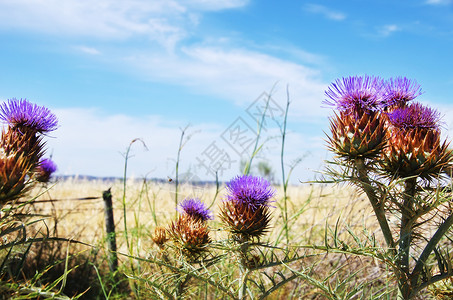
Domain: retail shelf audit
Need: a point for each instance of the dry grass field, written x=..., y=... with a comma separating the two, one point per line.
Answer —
x=312, y=210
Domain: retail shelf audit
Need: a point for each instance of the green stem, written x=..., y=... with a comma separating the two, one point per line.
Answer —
x=416, y=273
x=181, y=145
x=244, y=269
x=284, y=181
x=243, y=288
x=407, y=222
x=377, y=205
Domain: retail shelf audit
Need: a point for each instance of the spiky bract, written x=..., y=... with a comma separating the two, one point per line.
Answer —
x=190, y=235
x=14, y=171
x=352, y=137
x=243, y=221
x=19, y=157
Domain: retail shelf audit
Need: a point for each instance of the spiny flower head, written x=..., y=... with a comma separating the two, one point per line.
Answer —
x=22, y=114
x=414, y=147
x=195, y=208
x=400, y=90
x=414, y=116
x=245, y=211
x=355, y=94
x=250, y=190
x=45, y=169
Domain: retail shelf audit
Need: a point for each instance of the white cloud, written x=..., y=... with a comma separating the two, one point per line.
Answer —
x=88, y=50
x=325, y=11
x=89, y=142
x=438, y=2
x=387, y=30
x=213, y=67
x=236, y=74
x=215, y=4
x=163, y=21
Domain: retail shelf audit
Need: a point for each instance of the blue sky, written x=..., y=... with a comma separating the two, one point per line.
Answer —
x=113, y=71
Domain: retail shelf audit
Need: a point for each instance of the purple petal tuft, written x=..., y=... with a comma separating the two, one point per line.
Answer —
x=250, y=190
x=415, y=116
x=21, y=113
x=356, y=94
x=195, y=208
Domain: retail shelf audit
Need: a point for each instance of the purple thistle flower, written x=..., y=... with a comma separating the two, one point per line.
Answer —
x=45, y=169
x=195, y=208
x=355, y=94
x=21, y=113
x=250, y=190
x=415, y=116
x=400, y=90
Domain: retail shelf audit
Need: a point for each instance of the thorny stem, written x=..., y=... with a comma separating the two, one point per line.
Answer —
x=244, y=269
x=407, y=222
x=377, y=205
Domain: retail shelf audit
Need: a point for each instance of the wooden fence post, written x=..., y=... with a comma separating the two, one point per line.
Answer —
x=110, y=228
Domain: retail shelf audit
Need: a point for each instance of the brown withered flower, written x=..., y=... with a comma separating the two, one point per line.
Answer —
x=159, y=236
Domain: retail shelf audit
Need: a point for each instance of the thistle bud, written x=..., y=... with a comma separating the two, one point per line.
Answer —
x=46, y=167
